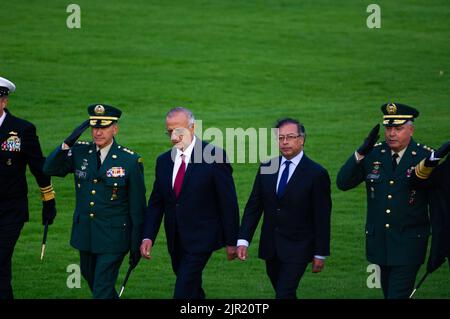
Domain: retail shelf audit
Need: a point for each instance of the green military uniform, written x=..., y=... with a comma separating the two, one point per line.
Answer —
x=397, y=224
x=110, y=203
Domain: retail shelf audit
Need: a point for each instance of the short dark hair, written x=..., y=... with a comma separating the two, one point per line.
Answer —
x=288, y=120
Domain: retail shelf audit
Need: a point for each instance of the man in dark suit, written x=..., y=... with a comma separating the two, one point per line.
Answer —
x=296, y=201
x=397, y=225
x=19, y=147
x=110, y=198
x=194, y=190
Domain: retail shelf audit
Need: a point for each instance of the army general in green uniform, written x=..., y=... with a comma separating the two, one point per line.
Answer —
x=397, y=224
x=110, y=198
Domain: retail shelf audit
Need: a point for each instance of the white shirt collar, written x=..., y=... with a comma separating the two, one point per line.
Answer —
x=2, y=118
x=295, y=160
x=400, y=154
x=104, y=151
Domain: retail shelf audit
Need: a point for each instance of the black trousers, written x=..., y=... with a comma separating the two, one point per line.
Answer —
x=8, y=239
x=397, y=282
x=188, y=268
x=285, y=277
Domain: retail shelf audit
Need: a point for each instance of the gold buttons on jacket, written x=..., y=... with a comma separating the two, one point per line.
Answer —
x=95, y=181
x=91, y=215
x=93, y=192
x=387, y=226
x=388, y=211
x=389, y=196
x=91, y=204
x=391, y=182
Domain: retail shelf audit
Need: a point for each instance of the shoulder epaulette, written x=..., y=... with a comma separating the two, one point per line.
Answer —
x=83, y=142
x=429, y=149
x=127, y=150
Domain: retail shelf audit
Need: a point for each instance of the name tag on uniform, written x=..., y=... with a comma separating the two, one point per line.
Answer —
x=373, y=176
x=115, y=172
x=12, y=144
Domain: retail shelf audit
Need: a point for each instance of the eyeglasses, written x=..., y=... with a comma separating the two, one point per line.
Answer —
x=178, y=130
x=288, y=138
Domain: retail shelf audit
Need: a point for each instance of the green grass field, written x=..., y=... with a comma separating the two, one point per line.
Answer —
x=235, y=64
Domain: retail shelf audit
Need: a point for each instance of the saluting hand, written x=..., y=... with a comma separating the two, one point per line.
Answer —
x=370, y=141
x=440, y=153
x=72, y=138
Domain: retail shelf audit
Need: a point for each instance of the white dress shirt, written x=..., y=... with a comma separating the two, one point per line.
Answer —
x=187, y=156
x=294, y=163
x=104, y=151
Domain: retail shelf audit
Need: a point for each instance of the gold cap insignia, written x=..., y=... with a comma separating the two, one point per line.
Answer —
x=99, y=110
x=391, y=108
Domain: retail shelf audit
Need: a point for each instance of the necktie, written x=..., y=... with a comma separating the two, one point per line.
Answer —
x=99, y=160
x=394, y=161
x=179, y=178
x=283, y=179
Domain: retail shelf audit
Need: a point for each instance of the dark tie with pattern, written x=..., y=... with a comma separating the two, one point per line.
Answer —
x=284, y=179
x=394, y=161
x=179, y=178
x=99, y=161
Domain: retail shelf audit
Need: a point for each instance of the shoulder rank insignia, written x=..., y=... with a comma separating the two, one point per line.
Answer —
x=83, y=142
x=430, y=149
x=127, y=150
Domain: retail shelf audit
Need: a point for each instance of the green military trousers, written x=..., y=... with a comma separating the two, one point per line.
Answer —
x=101, y=272
x=397, y=282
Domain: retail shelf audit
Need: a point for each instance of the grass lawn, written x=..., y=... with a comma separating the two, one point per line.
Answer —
x=235, y=64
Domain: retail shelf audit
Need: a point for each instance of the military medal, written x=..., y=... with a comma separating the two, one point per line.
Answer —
x=376, y=168
x=409, y=171
x=115, y=172
x=114, y=193
x=12, y=144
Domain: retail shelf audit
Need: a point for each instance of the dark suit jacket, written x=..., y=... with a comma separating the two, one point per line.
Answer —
x=296, y=226
x=19, y=147
x=438, y=186
x=206, y=214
